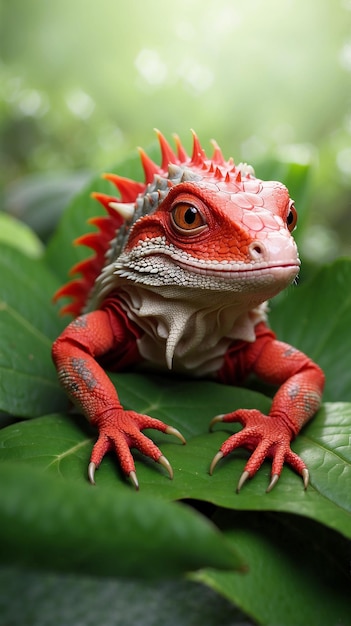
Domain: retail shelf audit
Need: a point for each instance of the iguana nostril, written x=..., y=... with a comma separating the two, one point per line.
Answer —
x=257, y=250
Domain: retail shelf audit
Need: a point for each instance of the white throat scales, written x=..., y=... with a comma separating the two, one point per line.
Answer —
x=188, y=332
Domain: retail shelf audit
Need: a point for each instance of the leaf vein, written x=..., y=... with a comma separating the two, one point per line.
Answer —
x=59, y=457
x=4, y=306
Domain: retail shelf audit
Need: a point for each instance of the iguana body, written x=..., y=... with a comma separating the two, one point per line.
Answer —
x=184, y=264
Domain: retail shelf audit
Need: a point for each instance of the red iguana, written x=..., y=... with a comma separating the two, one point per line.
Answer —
x=184, y=264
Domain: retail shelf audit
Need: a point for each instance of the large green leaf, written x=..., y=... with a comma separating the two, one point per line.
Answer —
x=62, y=525
x=297, y=574
x=315, y=317
x=28, y=325
x=61, y=446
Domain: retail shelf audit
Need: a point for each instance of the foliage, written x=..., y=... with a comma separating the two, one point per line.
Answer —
x=290, y=546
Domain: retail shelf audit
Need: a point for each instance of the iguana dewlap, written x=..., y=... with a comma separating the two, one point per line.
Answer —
x=184, y=264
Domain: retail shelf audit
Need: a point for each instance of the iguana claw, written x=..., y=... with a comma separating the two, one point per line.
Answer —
x=91, y=473
x=242, y=480
x=134, y=480
x=274, y=480
x=215, y=420
x=166, y=464
x=305, y=477
x=174, y=431
x=215, y=460
x=132, y=475
x=162, y=461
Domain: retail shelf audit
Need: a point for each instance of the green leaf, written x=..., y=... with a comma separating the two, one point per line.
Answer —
x=28, y=325
x=69, y=527
x=315, y=317
x=61, y=445
x=297, y=574
x=16, y=234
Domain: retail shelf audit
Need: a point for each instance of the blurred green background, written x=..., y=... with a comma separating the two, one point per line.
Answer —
x=83, y=82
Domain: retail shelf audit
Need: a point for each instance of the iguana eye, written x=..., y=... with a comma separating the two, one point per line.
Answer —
x=187, y=219
x=292, y=217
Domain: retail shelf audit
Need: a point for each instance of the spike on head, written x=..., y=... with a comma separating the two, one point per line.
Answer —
x=128, y=188
x=174, y=171
x=87, y=269
x=149, y=166
x=167, y=153
x=182, y=155
x=198, y=156
x=238, y=177
x=103, y=198
x=227, y=177
x=218, y=174
x=217, y=156
x=90, y=240
x=124, y=209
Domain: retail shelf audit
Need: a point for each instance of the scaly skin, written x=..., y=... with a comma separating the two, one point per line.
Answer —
x=200, y=247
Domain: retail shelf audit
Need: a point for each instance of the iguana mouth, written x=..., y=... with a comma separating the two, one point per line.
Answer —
x=238, y=270
x=228, y=271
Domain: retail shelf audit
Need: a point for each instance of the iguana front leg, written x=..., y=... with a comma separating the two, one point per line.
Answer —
x=297, y=400
x=89, y=337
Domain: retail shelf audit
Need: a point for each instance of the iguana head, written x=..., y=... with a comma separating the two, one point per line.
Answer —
x=196, y=223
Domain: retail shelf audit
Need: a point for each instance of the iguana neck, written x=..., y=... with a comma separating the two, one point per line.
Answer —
x=187, y=325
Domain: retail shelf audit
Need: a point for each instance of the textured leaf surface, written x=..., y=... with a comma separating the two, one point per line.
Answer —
x=66, y=526
x=28, y=325
x=61, y=445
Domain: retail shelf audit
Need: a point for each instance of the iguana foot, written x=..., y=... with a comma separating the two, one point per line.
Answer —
x=120, y=430
x=268, y=437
